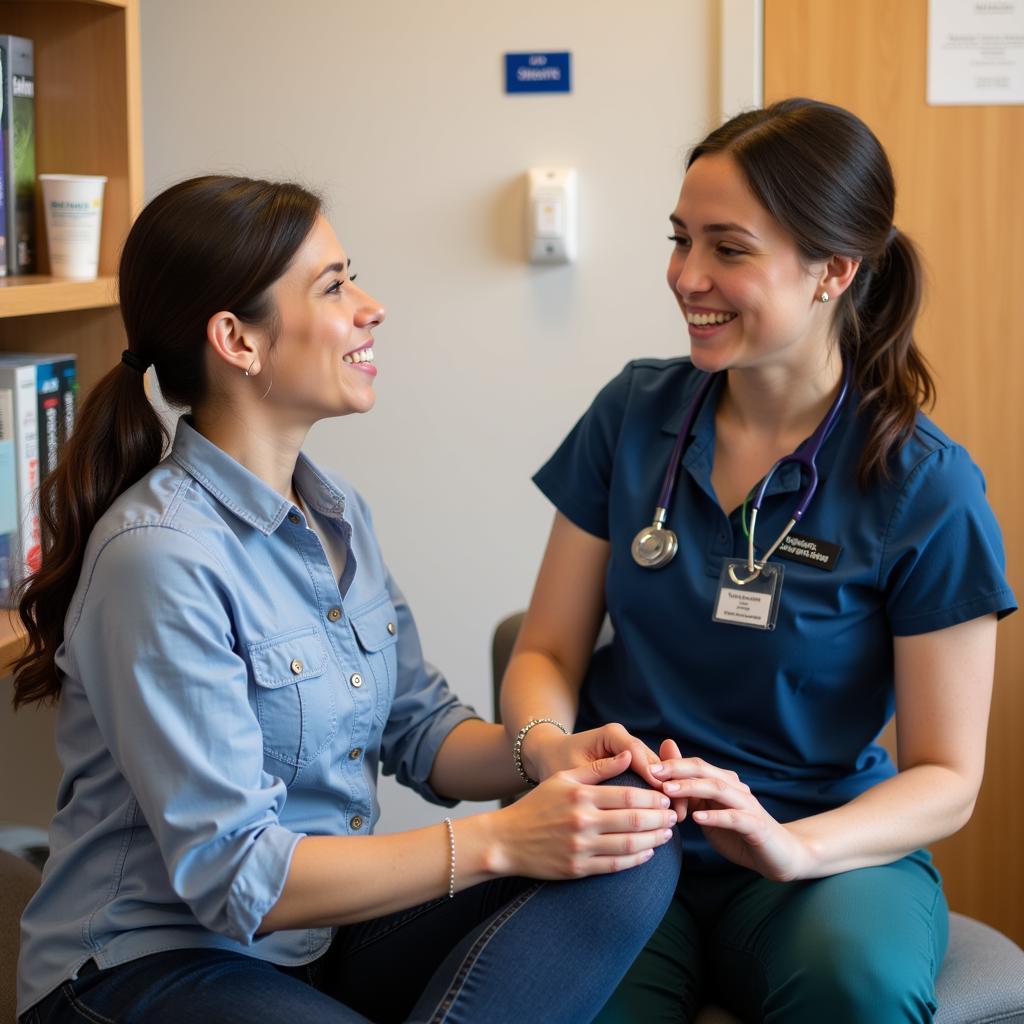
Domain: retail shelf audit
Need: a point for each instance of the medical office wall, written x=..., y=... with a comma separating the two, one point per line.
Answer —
x=396, y=111
x=957, y=169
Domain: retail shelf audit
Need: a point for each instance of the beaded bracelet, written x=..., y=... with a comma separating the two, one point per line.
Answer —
x=451, y=858
x=517, y=746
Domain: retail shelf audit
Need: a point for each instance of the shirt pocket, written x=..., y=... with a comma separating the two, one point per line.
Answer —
x=376, y=630
x=294, y=696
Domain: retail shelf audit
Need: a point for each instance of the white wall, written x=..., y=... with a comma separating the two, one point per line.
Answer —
x=394, y=109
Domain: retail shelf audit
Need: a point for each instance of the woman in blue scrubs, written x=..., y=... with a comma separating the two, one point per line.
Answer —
x=235, y=665
x=806, y=893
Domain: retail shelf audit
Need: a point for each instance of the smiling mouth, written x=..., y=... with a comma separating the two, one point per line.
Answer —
x=361, y=355
x=707, y=319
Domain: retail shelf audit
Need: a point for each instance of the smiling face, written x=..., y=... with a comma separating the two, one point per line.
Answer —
x=321, y=363
x=748, y=297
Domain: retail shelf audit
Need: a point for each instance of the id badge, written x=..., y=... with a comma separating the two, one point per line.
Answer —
x=755, y=604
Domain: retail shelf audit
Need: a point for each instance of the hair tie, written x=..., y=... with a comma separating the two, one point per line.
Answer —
x=135, y=362
x=891, y=237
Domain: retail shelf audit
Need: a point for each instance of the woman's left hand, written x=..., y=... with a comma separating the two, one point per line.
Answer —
x=732, y=819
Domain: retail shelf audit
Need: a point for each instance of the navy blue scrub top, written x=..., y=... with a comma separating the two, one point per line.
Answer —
x=794, y=711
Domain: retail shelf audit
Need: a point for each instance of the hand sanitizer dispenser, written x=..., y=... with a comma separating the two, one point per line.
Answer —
x=551, y=215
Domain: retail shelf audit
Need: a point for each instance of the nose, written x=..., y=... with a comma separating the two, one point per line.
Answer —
x=370, y=312
x=687, y=273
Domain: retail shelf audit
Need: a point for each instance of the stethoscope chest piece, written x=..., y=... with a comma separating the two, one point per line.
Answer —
x=654, y=546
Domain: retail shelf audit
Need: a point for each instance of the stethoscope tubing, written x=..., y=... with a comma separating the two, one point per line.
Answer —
x=656, y=545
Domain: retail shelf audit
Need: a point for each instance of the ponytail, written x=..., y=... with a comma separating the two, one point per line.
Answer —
x=207, y=244
x=118, y=438
x=876, y=328
x=824, y=176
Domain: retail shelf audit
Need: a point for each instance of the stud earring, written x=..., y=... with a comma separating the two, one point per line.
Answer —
x=251, y=365
x=824, y=297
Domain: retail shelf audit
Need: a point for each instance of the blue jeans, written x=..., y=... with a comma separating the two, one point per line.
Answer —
x=861, y=947
x=510, y=951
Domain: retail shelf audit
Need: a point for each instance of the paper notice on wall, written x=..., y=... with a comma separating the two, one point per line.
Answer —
x=975, y=52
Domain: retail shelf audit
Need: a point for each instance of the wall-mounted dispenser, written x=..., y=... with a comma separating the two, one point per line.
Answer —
x=551, y=215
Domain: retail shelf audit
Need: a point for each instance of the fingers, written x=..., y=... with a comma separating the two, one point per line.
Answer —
x=612, y=798
x=633, y=821
x=742, y=822
x=669, y=749
x=602, y=769
x=677, y=768
x=629, y=843
x=715, y=790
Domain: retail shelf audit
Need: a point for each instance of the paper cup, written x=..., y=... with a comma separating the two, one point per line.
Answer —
x=74, y=211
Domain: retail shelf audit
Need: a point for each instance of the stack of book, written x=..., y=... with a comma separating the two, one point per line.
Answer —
x=37, y=414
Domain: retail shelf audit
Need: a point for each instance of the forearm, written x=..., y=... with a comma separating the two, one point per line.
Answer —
x=536, y=686
x=338, y=880
x=475, y=763
x=914, y=808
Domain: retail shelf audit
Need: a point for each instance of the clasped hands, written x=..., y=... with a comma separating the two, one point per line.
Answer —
x=730, y=816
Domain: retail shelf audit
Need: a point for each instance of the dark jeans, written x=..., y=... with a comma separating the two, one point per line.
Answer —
x=507, y=951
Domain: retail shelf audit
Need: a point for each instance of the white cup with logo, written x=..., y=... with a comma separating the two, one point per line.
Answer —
x=74, y=212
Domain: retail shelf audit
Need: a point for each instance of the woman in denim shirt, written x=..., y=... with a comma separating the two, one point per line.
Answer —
x=234, y=663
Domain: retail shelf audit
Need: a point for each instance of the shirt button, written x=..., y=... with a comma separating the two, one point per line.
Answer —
x=296, y=667
x=391, y=628
x=353, y=754
x=356, y=823
x=356, y=679
x=334, y=614
x=294, y=518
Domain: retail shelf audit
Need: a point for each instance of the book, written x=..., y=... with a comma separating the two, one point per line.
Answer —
x=3, y=177
x=22, y=373
x=9, y=542
x=19, y=151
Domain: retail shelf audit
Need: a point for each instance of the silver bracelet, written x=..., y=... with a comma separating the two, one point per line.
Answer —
x=517, y=746
x=451, y=858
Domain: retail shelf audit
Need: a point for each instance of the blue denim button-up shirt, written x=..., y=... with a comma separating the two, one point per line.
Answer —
x=223, y=695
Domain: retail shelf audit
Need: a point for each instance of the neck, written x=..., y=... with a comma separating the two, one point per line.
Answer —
x=269, y=453
x=781, y=402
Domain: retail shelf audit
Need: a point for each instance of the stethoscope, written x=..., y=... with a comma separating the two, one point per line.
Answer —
x=656, y=545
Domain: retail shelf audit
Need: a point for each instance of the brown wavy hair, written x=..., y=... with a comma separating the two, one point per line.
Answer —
x=824, y=176
x=203, y=245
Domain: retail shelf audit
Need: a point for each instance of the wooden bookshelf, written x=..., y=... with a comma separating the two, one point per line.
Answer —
x=12, y=640
x=88, y=121
x=31, y=295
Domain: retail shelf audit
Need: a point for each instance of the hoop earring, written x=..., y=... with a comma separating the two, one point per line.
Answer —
x=823, y=297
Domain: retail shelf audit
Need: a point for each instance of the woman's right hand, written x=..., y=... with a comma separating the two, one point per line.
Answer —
x=570, y=826
x=546, y=750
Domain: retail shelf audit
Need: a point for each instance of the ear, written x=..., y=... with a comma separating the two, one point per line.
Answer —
x=837, y=275
x=232, y=342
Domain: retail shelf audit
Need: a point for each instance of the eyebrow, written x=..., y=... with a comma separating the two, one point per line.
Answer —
x=714, y=228
x=333, y=268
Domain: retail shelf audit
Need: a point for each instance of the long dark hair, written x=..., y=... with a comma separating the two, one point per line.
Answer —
x=824, y=176
x=203, y=245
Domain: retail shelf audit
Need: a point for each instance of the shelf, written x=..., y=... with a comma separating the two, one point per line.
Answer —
x=31, y=294
x=12, y=640
x=91, y=3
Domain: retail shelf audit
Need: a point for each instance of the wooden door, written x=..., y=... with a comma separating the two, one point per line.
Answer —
x=958, y=173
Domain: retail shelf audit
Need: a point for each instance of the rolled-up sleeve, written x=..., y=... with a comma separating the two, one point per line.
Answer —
x=170, y=695
x=423, y=713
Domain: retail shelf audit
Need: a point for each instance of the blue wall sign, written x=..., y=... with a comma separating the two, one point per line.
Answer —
x=537, y=72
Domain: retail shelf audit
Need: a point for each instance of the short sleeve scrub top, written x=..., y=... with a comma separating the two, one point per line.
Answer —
x=795, y=710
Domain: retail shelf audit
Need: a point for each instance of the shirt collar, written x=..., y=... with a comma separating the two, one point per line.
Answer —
x=698, y=455
x=244, y=493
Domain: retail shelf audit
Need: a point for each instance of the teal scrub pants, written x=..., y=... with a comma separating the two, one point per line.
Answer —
x=862, y=947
